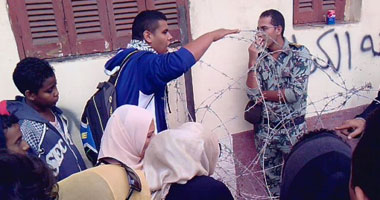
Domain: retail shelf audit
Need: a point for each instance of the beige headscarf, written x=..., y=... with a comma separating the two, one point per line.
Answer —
x=177, y=155
x=125, y=135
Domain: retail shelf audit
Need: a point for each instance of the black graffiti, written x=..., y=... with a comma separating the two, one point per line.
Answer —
x=349, y=49
x=294, y=39
x=339, y=53
x=366, y=45
x=371, y=47
x=330, y=63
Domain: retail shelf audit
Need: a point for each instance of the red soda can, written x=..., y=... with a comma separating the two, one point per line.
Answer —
x=330, y=17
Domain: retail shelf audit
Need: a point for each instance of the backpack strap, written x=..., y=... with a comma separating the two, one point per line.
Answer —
x=115, y=77
x=133, y=179
x=150, y=100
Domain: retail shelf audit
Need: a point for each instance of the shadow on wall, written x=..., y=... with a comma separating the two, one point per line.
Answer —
x=74, y=129
x=74, y=122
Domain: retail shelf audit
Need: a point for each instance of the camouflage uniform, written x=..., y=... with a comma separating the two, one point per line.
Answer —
x=278, y=131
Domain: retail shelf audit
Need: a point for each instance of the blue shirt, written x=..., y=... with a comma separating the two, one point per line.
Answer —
x=143, y=80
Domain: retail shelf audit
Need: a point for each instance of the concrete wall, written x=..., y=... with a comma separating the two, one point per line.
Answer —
x=224, y=82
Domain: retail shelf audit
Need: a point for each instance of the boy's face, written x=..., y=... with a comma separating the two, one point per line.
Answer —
x=47, y=95
x=15, y=143
x=160, y=38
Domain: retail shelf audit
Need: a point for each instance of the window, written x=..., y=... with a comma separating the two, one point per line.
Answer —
x=59, y=28
x=315, y=11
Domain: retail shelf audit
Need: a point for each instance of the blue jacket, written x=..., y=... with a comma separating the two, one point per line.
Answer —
x=143, y=80
x=46, y=142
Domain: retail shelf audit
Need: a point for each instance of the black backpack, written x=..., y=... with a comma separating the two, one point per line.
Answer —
x=97, y=112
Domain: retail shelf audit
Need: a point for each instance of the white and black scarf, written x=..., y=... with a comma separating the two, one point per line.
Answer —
x=141, y=45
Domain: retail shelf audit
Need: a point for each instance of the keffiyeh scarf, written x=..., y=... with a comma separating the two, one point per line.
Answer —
x=141, y=45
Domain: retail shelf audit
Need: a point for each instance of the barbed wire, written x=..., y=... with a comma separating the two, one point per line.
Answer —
x=252, y=173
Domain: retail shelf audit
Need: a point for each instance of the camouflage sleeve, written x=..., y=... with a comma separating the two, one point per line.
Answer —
x=300, y=72
x=254, y=93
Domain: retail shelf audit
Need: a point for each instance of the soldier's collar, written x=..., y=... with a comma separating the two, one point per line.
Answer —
x=286, y=48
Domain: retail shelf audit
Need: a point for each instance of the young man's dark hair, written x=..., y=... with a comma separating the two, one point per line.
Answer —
x=318, y=167
x=146, y=20
x=30, y=74
x=277, y=19
x=5, y=123
x=365, y=172
x=24, y=177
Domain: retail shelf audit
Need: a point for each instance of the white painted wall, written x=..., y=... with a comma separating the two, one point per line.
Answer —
x=230, y=57
x=9, y=56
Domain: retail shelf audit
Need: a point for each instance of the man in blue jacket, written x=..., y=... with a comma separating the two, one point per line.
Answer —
x=143, y=80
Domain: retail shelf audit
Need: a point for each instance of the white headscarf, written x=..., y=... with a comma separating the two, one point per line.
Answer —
x=177, y=155
x=125, y=135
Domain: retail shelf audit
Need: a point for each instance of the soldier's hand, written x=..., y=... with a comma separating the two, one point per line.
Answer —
x=253, y=52
x=352, y=128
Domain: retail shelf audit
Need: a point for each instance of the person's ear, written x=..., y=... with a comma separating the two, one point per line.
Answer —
x=30, y=95
x=147, y=36
x=279, y=30
x=359, y=194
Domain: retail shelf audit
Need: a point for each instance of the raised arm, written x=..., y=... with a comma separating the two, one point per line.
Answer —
x=199, y=46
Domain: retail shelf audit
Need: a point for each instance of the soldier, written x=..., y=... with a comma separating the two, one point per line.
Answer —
x=277, y=79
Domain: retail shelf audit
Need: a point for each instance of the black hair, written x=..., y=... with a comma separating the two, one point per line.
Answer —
x=311, y=173
x=365, y=159
x=5, y=123
x=24, y=177
x=277, y=19
x=315, y=133
x=30, y=74
x=146, y=20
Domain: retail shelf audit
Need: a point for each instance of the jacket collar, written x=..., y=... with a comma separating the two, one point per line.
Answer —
x=22, y=110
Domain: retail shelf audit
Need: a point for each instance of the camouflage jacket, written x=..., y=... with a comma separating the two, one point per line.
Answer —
x=289, y=72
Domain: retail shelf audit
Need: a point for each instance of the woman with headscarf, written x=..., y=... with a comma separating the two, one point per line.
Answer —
x=126, y=136
x=178, y=163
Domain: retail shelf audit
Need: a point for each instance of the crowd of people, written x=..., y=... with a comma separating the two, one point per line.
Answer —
x=140, y=158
